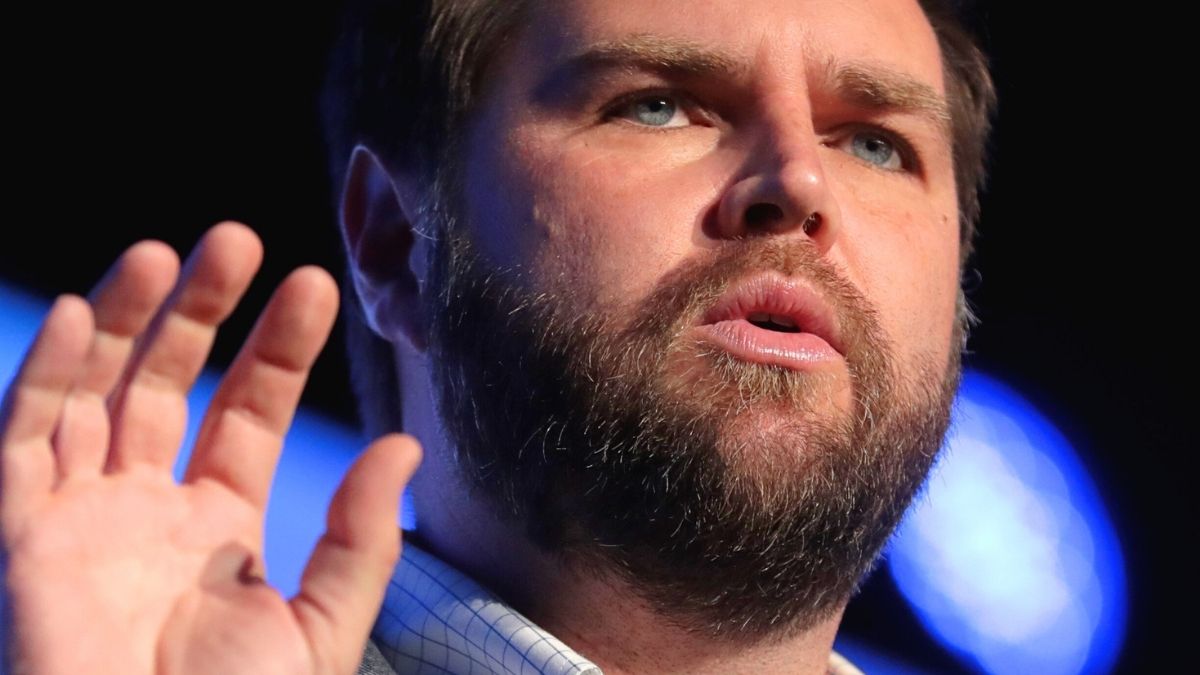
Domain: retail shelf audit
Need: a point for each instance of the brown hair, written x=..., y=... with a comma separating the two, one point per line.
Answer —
x=404, y=75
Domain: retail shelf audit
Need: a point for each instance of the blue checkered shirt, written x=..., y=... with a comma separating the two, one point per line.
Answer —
x=436, y=620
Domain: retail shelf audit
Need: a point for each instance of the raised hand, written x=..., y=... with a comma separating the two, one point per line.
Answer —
x=113, y=567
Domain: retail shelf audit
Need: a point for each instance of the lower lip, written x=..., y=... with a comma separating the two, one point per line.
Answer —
x=744, y=340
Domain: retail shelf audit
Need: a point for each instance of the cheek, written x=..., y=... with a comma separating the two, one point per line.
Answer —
x=614, y=225
x=500, y=215
x=906, y=261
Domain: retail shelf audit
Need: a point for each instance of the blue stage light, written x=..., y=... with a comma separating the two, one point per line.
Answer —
x=20, y=316
x=1010, y=559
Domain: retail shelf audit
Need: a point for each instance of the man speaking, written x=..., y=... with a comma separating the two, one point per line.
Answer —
x=668, y=294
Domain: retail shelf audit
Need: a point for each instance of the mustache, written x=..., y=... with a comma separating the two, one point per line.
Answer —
x=695, y=285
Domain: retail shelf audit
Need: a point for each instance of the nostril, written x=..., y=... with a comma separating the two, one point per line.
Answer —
x=760, y=215
x=812, y=223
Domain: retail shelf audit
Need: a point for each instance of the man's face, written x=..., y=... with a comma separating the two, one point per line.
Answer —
x=596, y=197
x=708, y=273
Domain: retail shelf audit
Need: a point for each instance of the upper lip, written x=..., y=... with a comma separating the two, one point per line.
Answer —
x=781, y=296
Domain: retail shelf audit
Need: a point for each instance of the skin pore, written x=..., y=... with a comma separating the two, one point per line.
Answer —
x=620, y=143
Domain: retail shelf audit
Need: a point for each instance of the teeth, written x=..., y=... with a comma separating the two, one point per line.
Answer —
x=783, y=321
x=761, y=317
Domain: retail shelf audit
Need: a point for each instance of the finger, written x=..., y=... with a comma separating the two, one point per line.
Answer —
x=33, y=405
x=123, y=304
x=242, y=434
x=344, y=583
x=149, y=406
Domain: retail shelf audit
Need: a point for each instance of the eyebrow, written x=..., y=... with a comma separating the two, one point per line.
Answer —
x=883, y=89
x=871, y=86
x=655, y=53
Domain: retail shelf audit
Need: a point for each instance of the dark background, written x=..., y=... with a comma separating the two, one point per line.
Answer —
x=158, y=121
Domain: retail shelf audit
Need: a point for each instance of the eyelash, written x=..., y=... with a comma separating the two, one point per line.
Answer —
x=909, y=157
x=686, y=103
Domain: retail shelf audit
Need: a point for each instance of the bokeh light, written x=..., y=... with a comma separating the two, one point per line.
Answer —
x=1010, y=558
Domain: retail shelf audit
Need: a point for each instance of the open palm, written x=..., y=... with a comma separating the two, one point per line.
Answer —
x=112, y=565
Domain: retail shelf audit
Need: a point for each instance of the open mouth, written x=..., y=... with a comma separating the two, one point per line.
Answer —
x=774, y=320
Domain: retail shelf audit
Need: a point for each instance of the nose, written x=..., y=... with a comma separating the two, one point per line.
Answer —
x=781, y=188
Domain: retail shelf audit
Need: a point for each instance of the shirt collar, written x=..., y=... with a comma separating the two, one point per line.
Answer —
x=435, y=619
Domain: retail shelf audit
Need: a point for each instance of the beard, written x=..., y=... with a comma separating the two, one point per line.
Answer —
x=738, y=499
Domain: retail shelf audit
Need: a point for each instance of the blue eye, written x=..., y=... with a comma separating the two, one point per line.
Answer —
x=876, y=149
x=653, y=111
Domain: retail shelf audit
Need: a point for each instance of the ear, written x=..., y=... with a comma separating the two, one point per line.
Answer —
x=383, y=257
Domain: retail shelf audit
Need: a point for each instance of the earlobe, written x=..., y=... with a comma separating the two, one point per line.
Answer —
x=377, y=230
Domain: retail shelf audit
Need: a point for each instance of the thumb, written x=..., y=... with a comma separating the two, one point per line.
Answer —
x=345, y=579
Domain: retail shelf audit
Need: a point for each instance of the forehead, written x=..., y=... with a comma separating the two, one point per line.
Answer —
x=795, y=38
